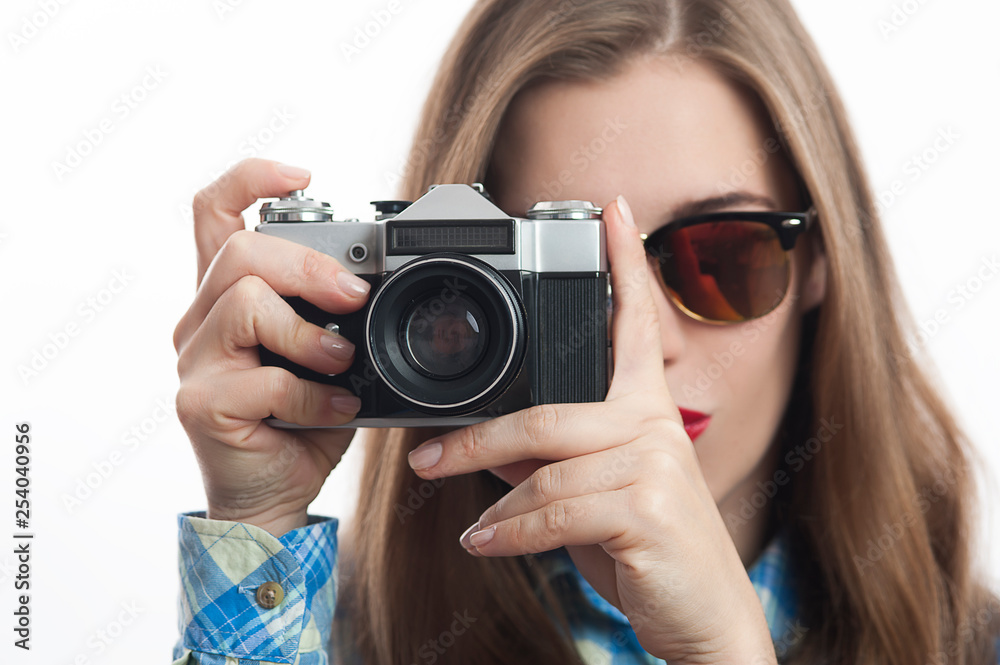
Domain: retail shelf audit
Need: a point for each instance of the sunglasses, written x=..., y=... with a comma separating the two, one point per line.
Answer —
x=727, y=267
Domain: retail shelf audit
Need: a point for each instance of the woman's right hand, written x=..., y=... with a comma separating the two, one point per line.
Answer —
x=252, y=472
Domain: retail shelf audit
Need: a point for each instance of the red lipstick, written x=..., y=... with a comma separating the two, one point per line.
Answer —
x=695, y=422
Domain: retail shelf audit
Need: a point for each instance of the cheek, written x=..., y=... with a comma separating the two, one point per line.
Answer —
x=767, y=360
x=731, y=368
x=748, y=399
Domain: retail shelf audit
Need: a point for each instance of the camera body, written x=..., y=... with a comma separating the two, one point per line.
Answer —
x=472, y=313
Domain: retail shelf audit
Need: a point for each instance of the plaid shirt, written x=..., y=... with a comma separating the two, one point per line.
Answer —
x=223, y=563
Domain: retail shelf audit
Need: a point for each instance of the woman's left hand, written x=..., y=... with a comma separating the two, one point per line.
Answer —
x=618, y=484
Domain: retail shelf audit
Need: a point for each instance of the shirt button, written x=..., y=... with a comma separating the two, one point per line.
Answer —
x=269, y=595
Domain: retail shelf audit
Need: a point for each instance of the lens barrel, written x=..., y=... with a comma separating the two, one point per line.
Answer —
x=447, y=333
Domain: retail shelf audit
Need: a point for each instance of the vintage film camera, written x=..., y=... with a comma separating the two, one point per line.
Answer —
x=472, y=313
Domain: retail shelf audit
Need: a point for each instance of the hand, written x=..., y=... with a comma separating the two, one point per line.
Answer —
x=254, y=473
x=618, y=484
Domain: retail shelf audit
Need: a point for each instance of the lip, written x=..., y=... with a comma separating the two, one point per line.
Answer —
x=695, y=422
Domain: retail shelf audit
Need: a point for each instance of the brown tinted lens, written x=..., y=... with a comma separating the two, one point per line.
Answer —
x=724, y=271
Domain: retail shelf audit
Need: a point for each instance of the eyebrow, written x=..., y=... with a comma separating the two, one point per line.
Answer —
x=717, y=203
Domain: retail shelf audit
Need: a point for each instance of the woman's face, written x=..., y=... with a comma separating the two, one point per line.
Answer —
x=670, y=138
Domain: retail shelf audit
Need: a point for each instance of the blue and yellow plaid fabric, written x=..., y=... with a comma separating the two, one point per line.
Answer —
x=603, y=635
x=222, y=563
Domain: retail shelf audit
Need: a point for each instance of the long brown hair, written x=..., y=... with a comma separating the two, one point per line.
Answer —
x=884, y=557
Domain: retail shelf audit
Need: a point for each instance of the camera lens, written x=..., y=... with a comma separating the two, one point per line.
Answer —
x=446, y=334
x=444, y=340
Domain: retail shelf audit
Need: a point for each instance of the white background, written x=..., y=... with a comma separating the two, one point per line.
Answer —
x=228, y=74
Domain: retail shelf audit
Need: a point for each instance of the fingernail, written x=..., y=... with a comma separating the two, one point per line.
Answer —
x=464, y=539
x=345, y=404
x=351, y=284
x=338, y=347
x=626, y=212
x=425, y=456
x=293, y=172
x=480, y=538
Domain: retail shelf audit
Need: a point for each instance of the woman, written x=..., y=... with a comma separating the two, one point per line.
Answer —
x=811, y=499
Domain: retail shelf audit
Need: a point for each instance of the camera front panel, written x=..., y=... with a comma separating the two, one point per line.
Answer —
x=472, y=314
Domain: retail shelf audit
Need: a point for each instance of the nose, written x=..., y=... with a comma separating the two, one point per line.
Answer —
x=672, y=319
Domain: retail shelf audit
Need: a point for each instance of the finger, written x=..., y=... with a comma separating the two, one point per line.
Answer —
x=603, y=471
x=287, y=267
x=545, y=432
x=582, y=520
x=514, y=473
x=218, y=207
x=249, y=314
x=635, y=328
x=330, y=443
x=231, y=406
x=274, y=391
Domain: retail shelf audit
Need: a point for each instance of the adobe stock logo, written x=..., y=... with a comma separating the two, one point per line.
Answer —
x=913, y=170
x=131, y=440
x=901, y=14
x=86, y=312
x=34, y=23
x=121, y=108
x=363, y=37
x=433, y=649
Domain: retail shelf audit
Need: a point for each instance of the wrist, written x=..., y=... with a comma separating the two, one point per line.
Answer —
x=738, y=655
x=753, y=647
x=746, y=643
x=275, y=522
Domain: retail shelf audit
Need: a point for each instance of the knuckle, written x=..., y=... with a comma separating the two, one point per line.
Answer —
x=517, y=534
x=248, y=290
x=204, y=199
x=281, y=384
x=555, y=519
x=664, y=465
x=672, y=438
x=290, y=330
x=673, y=431
x=647, y=316
x=237, y=245
x=640, y=273
x=654, y=506
x=470, y=443
x=191, y=402
x=240, y=309
x=544, y=483
x=541, y=422
x=313, y=267
x=655, y=455
x=246, y=297
x=309, y=398
x=184, y=362
x=180, y=334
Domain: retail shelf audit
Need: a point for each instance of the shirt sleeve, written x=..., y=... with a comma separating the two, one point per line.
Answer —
x=223, y=565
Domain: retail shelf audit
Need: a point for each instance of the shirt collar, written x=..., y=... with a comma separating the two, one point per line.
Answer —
x=770, y=575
